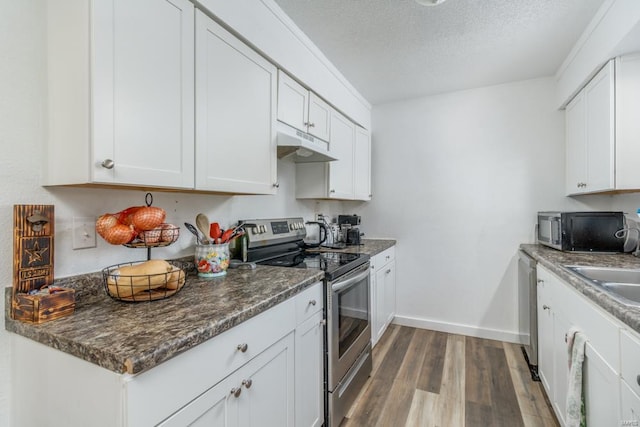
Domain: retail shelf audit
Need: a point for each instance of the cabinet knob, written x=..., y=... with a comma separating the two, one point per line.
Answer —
x=236, y=391
x=108, y=164
x=242, y=347
x=332, y=191
x=546, y=307
x=388, y=271
x=540, y=281
x=638, y=379
x=247, y=383
x=312, y=302
x=276, y=185
x=312, y=125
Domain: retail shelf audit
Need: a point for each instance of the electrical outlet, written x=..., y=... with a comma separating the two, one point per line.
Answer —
x=84, y=232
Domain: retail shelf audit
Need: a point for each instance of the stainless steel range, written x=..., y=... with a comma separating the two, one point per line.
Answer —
x=279, y=242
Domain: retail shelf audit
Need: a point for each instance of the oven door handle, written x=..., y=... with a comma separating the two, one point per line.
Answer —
x=343, y=285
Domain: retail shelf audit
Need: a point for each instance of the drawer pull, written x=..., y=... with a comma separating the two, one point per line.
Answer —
x=247, y=383
x=312, y=302
x=540, y=281
x=242, y=347
x=236, y=391
x=638, y=379
x=546, y=307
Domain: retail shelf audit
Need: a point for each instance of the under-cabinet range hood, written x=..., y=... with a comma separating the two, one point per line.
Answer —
x=301, y=147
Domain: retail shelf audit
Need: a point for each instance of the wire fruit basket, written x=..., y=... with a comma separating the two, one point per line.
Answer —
x=128, y=281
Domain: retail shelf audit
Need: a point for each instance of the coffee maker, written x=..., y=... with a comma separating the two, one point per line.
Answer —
x=349, y=226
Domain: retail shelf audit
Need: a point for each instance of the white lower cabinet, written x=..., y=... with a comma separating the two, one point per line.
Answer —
x=267, y=371
x=258, y=394
x=630, y=406
x=601, y=390
x=561, y=308
x=383, y=292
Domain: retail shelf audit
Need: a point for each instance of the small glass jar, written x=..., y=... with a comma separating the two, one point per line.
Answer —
x=212, y=260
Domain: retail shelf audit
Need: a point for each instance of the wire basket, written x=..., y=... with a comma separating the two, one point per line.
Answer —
x=122, y=286
x=164, y=235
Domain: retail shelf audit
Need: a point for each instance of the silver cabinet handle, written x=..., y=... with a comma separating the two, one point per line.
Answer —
x=276, y=184
x=247, y=383
x=546, y=307
x=236, y=391
x=388, y=271
x=108, y=164
x=242, y=347
x=540, y=281
x=312, y=302
x=312, y=125
x=332, y=191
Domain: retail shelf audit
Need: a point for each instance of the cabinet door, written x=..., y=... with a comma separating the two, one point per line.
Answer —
x=576, y=163
x=218, y=406
x=267, y=383
x=319, y=123
x=601, y=390
x=235, y=114
x=309, y=397
x=341, y=146
x=558, y=395
x=293, y=102
x=630, y=406
x=373, y=299
x=389, y=272
x=142, y=92
x=600, y=108
x=362, y=165
x=545, y=334
x=379, y=322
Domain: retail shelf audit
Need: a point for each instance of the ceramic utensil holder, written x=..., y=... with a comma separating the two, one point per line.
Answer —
x=212, y=260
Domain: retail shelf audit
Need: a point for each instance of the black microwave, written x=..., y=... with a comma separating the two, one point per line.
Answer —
x=581, y=231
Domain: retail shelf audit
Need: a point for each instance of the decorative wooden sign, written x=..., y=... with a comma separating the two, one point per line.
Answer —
x=33, y=231
x=32, y=247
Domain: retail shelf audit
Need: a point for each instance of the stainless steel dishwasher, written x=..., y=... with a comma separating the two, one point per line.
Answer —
x=528, y=314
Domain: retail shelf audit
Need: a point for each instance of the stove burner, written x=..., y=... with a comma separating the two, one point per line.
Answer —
x=333, y=264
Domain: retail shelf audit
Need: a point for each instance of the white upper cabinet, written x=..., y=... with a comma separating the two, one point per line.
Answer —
x=120, y=93
x=349, y=177
x=235, y=114
x=603, y=130
x=591, y=137
x=302, y=109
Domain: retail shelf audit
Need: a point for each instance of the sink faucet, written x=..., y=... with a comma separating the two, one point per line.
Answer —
x=621, y=234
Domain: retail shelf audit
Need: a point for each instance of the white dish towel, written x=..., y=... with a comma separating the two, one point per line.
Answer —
x=576, y=341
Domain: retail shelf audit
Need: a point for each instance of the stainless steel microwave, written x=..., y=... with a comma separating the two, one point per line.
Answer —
x=581, y=231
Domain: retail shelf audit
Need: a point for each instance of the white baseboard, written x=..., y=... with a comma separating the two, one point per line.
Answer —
x=456, y=328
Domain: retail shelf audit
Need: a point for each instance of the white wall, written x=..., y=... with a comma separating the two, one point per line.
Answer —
x=458, y=180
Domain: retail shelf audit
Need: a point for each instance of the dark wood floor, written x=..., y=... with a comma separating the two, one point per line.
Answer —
x=428, y=378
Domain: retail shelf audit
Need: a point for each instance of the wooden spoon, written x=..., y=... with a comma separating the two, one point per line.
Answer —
x=202, y=222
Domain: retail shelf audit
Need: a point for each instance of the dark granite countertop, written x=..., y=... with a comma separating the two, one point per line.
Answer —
x=134, y=337
x=370, y=247
x=553, y=260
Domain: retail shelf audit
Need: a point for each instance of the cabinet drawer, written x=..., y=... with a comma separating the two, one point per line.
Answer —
x=630, y=358
x=386, y=256
x=157, y=393
x=309, y=302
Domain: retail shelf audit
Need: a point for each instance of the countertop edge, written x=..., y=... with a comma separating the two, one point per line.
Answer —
x=630, y=316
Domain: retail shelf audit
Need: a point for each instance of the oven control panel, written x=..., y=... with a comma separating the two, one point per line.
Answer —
x=265, y=232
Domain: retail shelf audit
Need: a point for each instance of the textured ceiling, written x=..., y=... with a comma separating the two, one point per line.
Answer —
x=397, y=49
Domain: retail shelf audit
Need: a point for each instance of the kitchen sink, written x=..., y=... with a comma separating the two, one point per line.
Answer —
x=622, y=283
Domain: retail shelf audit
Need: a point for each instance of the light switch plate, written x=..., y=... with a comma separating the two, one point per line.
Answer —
x=84, y=232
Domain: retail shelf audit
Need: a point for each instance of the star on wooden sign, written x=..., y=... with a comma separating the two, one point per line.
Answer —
x=35, y=253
